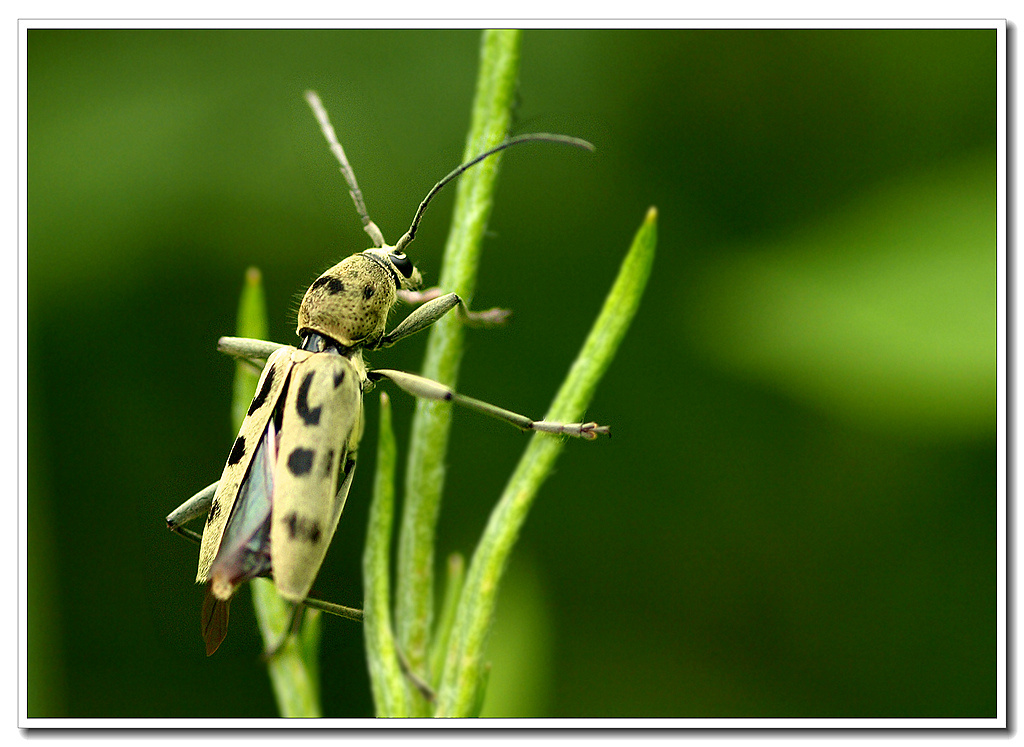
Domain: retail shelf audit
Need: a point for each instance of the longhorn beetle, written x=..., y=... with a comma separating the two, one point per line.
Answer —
x=278, y=501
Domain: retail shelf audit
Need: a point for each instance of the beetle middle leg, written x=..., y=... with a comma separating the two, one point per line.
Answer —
x=419, y=386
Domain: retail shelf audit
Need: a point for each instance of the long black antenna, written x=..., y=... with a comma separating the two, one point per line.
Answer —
x=533, y=137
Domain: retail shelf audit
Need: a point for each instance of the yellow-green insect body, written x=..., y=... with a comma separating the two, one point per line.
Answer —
x=287, y=477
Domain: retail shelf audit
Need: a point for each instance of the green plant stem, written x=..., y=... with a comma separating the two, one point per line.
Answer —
x=390, y=694
x=293, y=667
x=460, y=692
x=496, y=85
x=442, y=635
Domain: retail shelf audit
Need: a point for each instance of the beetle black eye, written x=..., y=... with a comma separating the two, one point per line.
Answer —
x=401, y=263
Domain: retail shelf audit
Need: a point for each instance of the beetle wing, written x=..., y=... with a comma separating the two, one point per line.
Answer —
x=214, y=620
x=244, y=551
x=320, y=429
x=268, y=392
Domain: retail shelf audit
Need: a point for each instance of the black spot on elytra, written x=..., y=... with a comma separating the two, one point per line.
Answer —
x=237, y=451
x=368, y=291
x=311, y=416
x=263, y=393
x=300, y=461
x=329, y=463
x=338, y=378
x=302, y=529
x=332, y=285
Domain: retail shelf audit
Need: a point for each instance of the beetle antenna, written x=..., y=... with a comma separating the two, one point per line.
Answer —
x=353, y=188
x=533, y=137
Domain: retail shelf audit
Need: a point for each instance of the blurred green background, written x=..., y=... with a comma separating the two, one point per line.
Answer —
x=797, y=513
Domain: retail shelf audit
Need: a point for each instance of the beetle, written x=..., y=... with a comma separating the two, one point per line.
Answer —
x=280, y=496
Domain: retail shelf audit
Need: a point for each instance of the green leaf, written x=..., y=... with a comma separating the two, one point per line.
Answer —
x=460, y=693
x=252, y=322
